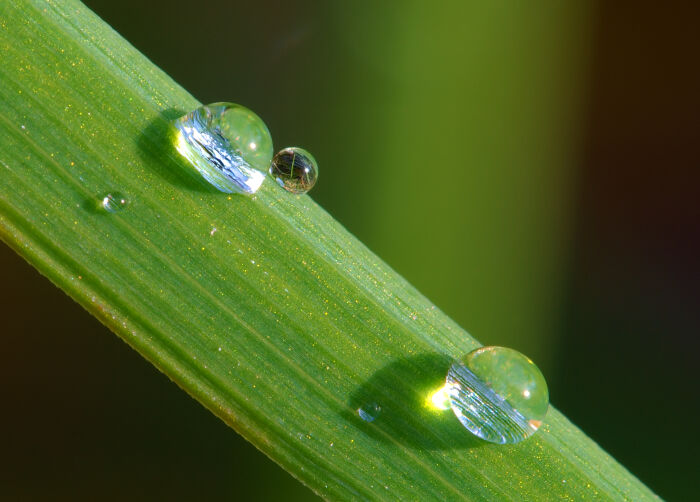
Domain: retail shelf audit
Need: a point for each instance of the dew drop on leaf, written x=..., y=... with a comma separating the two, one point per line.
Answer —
x=294, y=169
x=498, y=394
x=369, y=412
x=114, y=202
x=228, y=144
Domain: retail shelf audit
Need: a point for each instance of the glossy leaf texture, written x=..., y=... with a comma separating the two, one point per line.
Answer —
x=262, y=308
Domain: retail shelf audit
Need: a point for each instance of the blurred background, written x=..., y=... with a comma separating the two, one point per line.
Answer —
x=532, y=168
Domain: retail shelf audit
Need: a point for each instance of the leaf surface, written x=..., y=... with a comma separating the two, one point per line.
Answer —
x=264, y=309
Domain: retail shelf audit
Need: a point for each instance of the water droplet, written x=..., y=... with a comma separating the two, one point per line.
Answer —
x=228, y=144
x=498, y=394
x=369, y=412
x=294, y=169
x=113, y=202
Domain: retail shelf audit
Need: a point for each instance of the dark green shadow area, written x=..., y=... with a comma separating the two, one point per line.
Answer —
x=157, y=146
x=403, y=389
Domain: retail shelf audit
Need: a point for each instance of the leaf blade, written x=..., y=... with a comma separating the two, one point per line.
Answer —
x=277, y=320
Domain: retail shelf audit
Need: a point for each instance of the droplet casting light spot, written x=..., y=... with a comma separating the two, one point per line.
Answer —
x=228, y=144
x=440, y=399
x=498, y=394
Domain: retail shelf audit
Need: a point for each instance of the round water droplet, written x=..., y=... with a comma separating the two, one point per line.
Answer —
x=228, y=144
x=369, y=412
x=294, y=169
x=498, y=394
x=113, y=202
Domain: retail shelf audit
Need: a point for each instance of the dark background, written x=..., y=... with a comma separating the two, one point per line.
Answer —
x=532, y=169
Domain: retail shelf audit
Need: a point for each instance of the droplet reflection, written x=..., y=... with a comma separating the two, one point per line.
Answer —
x=294, y=169
x=228, y=144
x=498, y=394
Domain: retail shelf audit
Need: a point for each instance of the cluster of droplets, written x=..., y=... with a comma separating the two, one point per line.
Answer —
x=231, y=147
x=497, y=393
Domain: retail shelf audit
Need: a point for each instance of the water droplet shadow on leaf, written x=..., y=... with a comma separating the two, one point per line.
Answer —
x=157, y=146
x=94, y=206
x=402, y=390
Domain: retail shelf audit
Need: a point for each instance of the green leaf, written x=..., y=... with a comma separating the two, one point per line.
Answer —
x=264, y=309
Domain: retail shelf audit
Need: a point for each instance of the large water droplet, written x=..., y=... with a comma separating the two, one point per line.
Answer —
x=369, y=412
x=498, y=394
x=294, y=169
x=113, y=202
x=228, y=144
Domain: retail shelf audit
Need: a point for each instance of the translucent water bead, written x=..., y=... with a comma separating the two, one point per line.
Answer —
x=369, y=412
x=294, y=169
x=113, y=202
x=228, y=144
x=498, y=394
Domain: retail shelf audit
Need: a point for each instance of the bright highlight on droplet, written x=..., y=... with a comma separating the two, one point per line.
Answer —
x=498, y=394
x=228, y=144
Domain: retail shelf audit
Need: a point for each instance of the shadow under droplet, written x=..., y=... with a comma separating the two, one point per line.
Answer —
x=94, y=205
x=157, y=146
x=403, y=390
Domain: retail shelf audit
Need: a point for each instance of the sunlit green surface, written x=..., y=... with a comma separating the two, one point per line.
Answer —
x=278, y=320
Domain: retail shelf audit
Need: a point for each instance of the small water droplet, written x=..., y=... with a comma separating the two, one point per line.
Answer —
x=228, y=144
x=113, y=202
x=369, y=412
x=294, y=169
x=498, y=394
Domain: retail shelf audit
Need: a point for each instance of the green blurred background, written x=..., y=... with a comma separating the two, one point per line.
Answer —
x=531, y=167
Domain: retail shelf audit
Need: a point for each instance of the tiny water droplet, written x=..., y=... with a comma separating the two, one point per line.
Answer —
x=228, y=144
x=498, y=394
x=369, y=412
x=294, y=169
x=113, y=202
